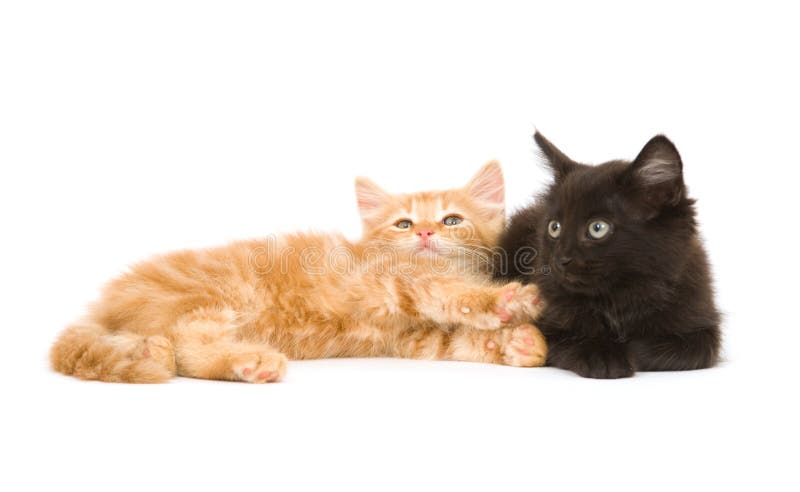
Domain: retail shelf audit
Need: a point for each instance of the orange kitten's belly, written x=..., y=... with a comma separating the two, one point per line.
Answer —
x=288, y=293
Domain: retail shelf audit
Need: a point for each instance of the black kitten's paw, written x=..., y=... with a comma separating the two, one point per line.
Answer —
x=603, y=365
x=591, y=358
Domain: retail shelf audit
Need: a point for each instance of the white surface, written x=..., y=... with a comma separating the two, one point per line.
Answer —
x=130, y=129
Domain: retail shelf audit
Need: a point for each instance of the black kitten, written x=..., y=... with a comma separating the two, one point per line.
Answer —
x=617, y=257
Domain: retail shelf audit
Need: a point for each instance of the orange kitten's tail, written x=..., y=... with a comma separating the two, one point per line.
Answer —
x=89, y=351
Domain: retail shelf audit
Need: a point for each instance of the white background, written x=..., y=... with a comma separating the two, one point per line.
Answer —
x=130, y=128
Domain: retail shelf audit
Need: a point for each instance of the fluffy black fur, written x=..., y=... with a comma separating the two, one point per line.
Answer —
x=638, y=299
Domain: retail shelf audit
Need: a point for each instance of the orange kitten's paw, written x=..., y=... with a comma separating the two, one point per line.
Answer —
x=524, y=347
x=159, y=349
x=517, y=302
x=259, y=367
x=493, y=308
x=476, y=309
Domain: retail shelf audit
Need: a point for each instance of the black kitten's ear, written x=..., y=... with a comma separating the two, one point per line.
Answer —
x=557, y=160
x=656, y=175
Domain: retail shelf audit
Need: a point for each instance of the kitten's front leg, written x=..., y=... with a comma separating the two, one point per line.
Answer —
x=589, y=357
x=485, y=307
x=519, y=346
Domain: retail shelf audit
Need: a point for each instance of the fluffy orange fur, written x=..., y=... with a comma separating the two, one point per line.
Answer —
x=416, y=285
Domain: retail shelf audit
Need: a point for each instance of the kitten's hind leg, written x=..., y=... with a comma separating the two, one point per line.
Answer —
x=89, y=351
x=678, y=352
x=207, y=348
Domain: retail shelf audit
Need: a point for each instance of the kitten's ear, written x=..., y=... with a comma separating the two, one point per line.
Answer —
x=656, y=175
x=488, y=187
x=371, y=198
x=557, y=160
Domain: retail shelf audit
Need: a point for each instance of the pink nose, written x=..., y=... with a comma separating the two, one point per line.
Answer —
x=425, y=233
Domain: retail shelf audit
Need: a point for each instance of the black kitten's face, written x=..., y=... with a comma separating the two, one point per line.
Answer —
x=589, y=239
x=614, y=222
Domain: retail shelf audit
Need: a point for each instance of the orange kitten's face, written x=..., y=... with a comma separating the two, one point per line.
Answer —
x=448, y=223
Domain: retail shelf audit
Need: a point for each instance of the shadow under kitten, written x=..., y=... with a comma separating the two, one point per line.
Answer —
x=617, y=257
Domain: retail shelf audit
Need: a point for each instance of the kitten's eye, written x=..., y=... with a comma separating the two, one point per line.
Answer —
x=554, y=229
x=403, y=224
x=452, y=220
x=598, y=229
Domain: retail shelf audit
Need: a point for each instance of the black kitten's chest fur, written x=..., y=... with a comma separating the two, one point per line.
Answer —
x=647, y=304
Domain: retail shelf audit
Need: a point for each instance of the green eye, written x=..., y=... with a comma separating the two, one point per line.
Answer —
x=403, y=224
x=598, y=229
x=452, y=220
x=554, y=229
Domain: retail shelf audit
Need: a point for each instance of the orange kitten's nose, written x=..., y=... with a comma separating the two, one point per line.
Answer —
x=425, y=237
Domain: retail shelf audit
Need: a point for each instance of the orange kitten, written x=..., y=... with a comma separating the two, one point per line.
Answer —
x=416, y=285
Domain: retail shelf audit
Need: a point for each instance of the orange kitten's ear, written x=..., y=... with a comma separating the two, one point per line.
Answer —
x=371, y=198
x=488, y=188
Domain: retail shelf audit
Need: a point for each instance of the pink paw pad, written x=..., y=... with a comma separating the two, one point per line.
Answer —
x=246, y=371
x=491, y=345
x=504, y=314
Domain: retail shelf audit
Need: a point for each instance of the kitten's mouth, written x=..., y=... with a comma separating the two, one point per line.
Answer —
x=577, y=282
x=428, y=250
x=427, y=247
